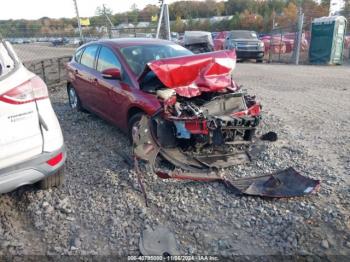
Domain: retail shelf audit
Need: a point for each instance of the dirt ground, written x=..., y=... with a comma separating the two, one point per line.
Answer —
x=100, y=209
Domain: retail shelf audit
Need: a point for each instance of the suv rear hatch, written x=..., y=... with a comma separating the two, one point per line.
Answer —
x=20, y=131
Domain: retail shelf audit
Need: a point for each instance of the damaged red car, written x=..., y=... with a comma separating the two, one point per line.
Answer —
x=179, y=109
x=200, y=117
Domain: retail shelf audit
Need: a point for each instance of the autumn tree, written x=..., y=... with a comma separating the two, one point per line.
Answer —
x=250, y=21
x=288, y=16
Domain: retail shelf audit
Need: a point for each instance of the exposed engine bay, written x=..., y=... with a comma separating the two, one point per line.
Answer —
x=206, y=120
x=205, y=123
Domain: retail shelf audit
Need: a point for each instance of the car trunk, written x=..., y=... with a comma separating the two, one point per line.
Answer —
x=20, y=131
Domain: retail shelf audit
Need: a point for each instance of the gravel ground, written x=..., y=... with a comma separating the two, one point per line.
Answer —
x=100, y=210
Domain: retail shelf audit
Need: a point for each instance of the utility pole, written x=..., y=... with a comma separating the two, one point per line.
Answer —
x=109, y=20
x=271, y=39
x=78, y=18
x=164, y=11
x=160, y=18
x=167, y=21
x=300, y=34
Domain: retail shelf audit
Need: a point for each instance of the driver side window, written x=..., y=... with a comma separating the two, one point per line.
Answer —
x=107, y=59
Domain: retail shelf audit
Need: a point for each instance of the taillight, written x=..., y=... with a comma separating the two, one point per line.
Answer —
x=29, y=91
x=55, y=160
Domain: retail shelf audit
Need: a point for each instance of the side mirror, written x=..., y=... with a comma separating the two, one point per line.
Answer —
x=112, y=73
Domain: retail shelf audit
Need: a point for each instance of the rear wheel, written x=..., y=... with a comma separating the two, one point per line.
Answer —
x=54, y=180
x=74, y=100
x=259, y=60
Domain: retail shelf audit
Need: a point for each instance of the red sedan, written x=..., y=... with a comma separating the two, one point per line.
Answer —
x=192, y=99
x=103, y=78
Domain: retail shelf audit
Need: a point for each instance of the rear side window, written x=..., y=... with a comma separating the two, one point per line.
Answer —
x=107, y=59
x=78, y=54
x=88, y=56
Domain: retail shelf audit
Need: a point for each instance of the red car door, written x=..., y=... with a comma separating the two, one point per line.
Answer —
x=110, y=94
x=84, y=75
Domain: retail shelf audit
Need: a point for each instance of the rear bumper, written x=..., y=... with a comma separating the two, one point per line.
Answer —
x=250, y=54
x=31, y=171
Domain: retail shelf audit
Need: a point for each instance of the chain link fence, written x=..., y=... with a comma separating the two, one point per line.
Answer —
x=46, y=53
x=281, y=44
x=147, y=32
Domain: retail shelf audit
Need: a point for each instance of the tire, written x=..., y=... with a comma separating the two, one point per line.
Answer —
x=54, y=180
x=74, y=100
x=259, y=60
x=132, y=123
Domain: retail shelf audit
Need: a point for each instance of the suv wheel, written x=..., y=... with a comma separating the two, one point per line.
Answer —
x=74, y=100
x=54, y=180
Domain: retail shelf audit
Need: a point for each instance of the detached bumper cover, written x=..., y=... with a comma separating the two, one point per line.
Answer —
x=284, y=183
x=31, y=171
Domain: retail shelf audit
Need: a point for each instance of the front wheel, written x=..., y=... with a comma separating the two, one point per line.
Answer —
x=134, y=125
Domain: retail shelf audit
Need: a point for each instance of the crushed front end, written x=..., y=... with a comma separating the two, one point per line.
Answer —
x=206, y=120
x=213, y=129
x=206, y=123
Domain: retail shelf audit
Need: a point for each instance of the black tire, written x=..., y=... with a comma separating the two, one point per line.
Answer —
x=74, y=104
x=259, y=60
x=132, y=121
x=54, y=180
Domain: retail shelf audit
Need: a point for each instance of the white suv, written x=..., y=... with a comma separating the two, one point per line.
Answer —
x=31, y=142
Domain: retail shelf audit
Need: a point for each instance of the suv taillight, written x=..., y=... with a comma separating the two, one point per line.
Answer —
x=29, y=91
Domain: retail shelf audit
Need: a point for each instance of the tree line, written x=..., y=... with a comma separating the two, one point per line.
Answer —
x=256, y=15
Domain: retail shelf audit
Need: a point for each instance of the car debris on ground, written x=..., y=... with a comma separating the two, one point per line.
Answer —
x=158, y=242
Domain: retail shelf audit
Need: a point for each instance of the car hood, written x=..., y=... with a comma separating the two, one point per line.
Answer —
x=191, y=75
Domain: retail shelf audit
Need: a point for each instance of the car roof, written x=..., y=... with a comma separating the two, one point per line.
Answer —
x=124, y=42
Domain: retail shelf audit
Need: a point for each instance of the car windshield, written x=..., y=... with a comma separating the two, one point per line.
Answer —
x=7, y=64
x=138, y=56
x=244, y=35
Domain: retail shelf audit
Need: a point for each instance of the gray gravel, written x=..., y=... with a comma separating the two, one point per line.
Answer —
x=100, y=210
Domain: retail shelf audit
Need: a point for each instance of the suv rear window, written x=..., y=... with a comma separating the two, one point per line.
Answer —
x=88, y=56
x=7, y=64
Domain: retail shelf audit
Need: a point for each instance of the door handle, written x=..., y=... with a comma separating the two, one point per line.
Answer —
x=76, y=72
x=94, y=81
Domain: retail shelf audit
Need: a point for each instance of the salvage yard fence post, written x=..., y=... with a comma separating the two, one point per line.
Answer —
x=43, y=70
x=299, y=36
